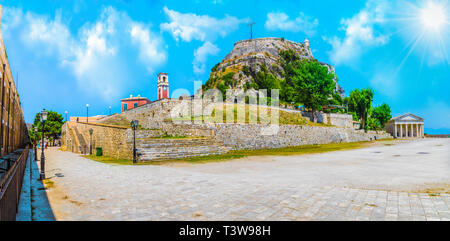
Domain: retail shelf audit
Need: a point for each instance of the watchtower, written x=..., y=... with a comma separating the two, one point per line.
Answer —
x=163, y=86
x=306, y=43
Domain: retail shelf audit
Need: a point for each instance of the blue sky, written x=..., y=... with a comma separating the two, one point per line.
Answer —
x=70, y=53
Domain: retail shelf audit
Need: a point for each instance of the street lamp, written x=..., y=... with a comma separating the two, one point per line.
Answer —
x=66, y=114
x=109, y=110
x=90, y=142
x=43, y=119
x=87, y=113
x=35, y=146
x=134, y=124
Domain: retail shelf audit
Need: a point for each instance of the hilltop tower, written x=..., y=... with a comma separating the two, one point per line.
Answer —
x=306, y=43
x=163, y=86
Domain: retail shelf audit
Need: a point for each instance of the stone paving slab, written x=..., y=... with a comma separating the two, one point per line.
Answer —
x=346, y=185
x=24, y=209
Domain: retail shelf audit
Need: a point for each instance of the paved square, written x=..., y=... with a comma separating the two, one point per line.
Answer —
x=382, y=182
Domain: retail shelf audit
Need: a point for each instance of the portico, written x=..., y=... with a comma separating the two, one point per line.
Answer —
x=407, y=125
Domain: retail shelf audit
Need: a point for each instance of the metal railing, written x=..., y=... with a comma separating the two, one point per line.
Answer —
x=10, y=188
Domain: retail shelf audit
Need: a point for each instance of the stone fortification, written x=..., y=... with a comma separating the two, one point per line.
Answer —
x=172, y=141
x=115, y=141
x=247, y=58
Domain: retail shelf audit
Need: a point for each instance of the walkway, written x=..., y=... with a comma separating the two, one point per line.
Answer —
x=382, y=182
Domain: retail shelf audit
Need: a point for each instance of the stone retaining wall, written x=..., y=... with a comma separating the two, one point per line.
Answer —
x=118, y=141
x=266, y=136
x=115, y=141
x=335, y=119
x=248, y=136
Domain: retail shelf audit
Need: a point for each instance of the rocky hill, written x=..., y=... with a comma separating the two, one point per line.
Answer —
x=238, y=70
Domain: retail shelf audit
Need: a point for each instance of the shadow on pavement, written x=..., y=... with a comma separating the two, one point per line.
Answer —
x=40, y=205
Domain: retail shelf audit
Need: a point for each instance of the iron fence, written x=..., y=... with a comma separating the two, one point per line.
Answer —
x=11, y=186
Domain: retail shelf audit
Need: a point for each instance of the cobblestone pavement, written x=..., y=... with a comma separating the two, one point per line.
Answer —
x=382, y=182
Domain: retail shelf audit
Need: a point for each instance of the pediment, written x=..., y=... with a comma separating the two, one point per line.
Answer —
x=408, y=117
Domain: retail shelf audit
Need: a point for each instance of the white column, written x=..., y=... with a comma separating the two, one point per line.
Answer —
x=417, y=130
x=423, y=134
x=395, y=130
x=406, y=130
x=401, y=131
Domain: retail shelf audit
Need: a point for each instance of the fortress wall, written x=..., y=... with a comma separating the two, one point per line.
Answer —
x=115, y=141
x=340, y=120
x=335, y=119
x=152, y=114
x=239, y=136
x=266, y=45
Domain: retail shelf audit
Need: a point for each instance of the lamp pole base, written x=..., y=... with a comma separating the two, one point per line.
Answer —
x=42, y=166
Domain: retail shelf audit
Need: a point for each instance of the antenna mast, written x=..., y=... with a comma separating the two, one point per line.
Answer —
x=251, y=29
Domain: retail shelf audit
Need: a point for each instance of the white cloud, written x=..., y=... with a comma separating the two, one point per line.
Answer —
x=360, y=33
x=201, y=55
x=281, y=21
x=96, y=54
x=189, y=26
x=149, y=45
x=11, y=18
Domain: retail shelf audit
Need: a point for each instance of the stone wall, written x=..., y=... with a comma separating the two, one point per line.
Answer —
x=340, y=120
x=257, y=136
x=115, y=141
x=239, y=136
x=334, y=119
x=118, y=141
x=155, y=114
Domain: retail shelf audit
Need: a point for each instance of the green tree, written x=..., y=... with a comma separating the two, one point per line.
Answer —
x=372, y=124
x=52, y=128
x=360, y=102
x=312, y=82
x=381, y=114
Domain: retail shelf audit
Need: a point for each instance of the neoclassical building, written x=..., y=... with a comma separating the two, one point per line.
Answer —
x=407, y=125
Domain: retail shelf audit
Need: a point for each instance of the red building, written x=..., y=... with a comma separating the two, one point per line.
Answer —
x=133, y=102
x=163, y=86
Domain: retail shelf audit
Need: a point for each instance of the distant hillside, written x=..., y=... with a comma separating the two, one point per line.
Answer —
x=241, y=68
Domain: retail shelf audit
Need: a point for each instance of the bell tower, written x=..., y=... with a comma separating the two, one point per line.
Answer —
x=163, y=86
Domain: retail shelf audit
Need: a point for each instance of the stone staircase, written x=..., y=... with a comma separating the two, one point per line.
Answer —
x=158, y=149
x=82, y=146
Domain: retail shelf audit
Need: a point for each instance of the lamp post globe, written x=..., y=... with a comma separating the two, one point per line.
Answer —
x=87, y=113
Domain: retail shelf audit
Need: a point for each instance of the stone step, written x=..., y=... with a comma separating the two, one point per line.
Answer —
x=158, y=143
x=180, y=150
x=175, y=156
x=177, y=152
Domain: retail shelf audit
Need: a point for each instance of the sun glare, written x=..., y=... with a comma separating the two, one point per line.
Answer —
x=433, y=16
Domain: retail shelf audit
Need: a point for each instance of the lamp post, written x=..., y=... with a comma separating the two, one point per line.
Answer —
x=66, y=114
x=35, y=146
x=90, y=141
x=134, y=124
x=109, y=110
x=87, y=113
x=43, y=119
